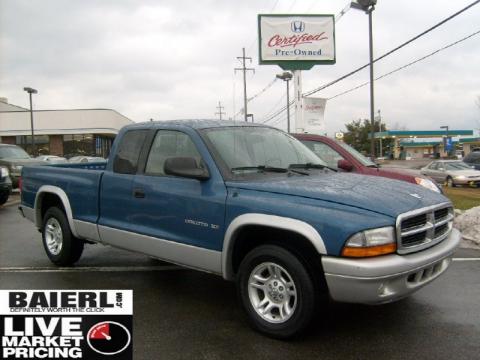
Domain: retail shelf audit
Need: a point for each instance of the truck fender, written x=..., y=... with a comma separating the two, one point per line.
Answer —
x=271, y=221
x=49, y=189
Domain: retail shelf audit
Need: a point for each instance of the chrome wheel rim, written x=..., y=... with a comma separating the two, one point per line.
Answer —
x=53, y=236
x=272, y=292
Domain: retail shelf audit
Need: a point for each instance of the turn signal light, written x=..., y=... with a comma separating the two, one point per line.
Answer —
x=369, y=251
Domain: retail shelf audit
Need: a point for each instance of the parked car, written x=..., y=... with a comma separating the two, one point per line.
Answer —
x=473, y=160
x=340, y=155
x=5, y=185
x=85, y=159
x=14, y=158
x=254, y=205
x=452, y=173
x=53, y=159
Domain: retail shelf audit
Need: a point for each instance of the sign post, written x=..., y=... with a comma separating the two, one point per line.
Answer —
x=296, y=42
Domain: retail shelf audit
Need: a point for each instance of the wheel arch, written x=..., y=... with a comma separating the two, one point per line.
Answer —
x=49, y=192
x=264, y=221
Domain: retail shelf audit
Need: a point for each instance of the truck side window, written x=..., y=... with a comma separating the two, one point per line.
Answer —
x=169, y=144
x=126, y=159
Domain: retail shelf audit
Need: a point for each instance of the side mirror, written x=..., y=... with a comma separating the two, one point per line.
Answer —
x=185, y=167
x=344, y=165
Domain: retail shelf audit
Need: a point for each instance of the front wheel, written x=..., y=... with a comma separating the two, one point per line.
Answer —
x=4, y=197
x=450, y=182
x=276, y=291
x=61, y=246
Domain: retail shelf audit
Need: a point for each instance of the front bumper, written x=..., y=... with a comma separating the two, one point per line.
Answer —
x=387, y=278
x=470, y=182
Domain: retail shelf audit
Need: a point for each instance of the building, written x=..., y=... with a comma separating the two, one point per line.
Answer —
x=61, y=132
x=409, y=144
x=426, y=149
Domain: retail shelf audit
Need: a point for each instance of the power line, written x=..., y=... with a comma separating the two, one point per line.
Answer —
x=270, y=84
x=409, y=64
x=393, y=50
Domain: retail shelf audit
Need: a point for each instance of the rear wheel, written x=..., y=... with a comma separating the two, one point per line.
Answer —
x=61, y=246
x=276, y=291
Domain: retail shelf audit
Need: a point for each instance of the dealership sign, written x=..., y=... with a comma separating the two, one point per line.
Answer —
x=296, y=42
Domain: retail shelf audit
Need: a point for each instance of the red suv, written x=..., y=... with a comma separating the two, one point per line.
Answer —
x=341, y=156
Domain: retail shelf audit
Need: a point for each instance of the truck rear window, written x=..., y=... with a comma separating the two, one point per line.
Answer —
x=128, y=152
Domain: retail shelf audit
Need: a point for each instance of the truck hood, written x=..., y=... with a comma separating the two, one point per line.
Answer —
x=378, y=194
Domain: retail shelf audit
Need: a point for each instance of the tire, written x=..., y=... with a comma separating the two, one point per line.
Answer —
x=3, y=197
x=285, y=297
x=450, y=182
x=62, y=248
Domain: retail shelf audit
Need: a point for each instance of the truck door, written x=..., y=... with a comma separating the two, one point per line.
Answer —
x=116, y=197
x=179, y=209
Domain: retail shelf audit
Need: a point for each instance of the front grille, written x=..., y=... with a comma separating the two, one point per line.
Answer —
x=419, y=229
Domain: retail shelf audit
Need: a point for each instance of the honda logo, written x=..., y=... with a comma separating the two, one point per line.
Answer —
x=298, y=26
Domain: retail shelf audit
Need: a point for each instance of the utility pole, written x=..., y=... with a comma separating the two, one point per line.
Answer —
x=244, y=69
x=220, y=112
x=380, y=130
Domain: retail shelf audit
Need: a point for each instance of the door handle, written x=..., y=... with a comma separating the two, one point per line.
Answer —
x=139, y=193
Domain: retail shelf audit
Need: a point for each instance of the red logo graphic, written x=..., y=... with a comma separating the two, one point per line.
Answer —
x=294, y=40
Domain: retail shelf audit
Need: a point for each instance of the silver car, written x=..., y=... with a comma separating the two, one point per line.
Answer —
x=452, y=172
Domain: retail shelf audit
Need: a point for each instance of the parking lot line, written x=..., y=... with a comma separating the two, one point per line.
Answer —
x=90, y=269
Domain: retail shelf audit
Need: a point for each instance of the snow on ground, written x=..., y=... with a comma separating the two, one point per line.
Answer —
x=468, y=222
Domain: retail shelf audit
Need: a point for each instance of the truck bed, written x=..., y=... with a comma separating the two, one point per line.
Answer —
x=81, y=183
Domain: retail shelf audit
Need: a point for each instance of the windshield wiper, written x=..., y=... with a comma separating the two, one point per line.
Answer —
x=264, y=168
x=261, y=168
x=310, y=166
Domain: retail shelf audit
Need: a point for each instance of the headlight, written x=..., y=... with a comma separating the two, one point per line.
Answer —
x=3, y=172
x=460, y=177
x=427, y=184
x=372, y=242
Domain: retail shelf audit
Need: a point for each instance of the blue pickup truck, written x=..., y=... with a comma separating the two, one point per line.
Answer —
x=252, y=204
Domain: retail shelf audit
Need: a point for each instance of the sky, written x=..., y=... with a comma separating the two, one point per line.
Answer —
x=175, y=59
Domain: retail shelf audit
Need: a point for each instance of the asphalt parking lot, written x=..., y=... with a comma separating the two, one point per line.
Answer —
x=184, y=314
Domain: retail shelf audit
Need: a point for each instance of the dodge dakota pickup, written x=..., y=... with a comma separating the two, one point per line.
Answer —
x=252, y=204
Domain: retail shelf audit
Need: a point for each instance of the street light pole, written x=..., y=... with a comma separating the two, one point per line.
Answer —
x=287, y=76
x=31, y=91
x=372, y=105
x=368, y=6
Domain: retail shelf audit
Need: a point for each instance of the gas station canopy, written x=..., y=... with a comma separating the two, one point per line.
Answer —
x=420, y=133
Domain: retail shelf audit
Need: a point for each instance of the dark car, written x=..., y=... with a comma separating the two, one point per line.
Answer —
x=473, y=159
x=5, y=185
x=341, y=156
x=15, y=158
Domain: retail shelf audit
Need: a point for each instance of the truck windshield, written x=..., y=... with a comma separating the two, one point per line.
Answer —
x=255, y=149
x=13, y=153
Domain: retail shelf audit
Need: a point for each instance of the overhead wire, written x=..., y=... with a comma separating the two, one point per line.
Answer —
x=408, y=64
x=416, y=37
